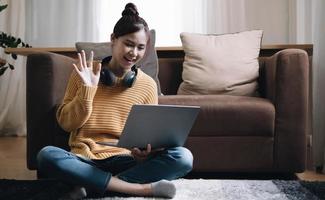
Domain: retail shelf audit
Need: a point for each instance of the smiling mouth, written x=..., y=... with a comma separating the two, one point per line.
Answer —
x=129, y=60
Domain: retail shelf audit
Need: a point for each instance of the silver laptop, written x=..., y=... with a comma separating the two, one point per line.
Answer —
x=159, y=125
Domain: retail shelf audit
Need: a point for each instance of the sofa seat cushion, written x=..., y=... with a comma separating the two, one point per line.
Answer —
x=226, y=115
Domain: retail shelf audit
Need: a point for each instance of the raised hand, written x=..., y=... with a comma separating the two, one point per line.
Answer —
x=87, y=71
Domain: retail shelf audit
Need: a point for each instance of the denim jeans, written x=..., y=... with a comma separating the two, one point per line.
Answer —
x=94, y=175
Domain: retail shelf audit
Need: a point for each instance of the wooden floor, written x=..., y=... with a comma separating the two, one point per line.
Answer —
x=13, y=159
x=13, y=162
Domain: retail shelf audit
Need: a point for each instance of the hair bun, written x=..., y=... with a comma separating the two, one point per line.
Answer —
x=130, y=9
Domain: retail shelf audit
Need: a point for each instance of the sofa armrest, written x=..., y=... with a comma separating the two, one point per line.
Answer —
x=46, y=77
x=286, y=85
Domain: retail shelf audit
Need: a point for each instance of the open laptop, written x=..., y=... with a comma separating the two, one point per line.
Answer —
x=159, y=125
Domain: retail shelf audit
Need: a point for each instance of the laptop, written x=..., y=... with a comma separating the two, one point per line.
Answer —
x=161, y=126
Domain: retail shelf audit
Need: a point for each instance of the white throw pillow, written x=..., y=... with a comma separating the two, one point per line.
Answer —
x=221, y=64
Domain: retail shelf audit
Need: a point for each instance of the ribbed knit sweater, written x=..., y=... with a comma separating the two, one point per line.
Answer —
x=93, y=114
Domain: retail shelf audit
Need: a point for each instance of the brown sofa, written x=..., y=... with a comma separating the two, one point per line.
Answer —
x=231, y=134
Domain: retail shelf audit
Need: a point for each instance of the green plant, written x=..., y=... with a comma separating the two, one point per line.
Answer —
x=7, y=40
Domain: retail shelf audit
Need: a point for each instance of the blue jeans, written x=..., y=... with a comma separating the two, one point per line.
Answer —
x=94, y=175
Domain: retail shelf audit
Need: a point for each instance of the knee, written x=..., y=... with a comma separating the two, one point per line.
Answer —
x=184, y=159
x=46, y=156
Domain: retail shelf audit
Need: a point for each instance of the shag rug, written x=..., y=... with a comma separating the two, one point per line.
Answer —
x=192, y=189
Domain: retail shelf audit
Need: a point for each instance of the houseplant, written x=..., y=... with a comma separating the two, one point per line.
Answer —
x=7, y=40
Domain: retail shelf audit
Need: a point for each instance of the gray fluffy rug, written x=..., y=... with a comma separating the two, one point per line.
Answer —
x=200, y=189
x=196, y=189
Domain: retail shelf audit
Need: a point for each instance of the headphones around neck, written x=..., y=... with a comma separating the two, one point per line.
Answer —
x=107, y=77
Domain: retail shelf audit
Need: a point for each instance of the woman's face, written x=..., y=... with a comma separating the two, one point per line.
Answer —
x=128, y=49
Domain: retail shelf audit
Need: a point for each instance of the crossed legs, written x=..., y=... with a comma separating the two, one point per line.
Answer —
x=119, y=173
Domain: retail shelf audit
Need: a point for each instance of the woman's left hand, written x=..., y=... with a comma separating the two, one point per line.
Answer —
x=143, y=154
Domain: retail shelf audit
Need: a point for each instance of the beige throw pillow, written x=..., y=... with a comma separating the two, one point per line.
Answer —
x=221, y=64
x=148, y=64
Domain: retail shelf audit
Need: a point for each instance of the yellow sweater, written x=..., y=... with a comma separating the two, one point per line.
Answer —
x=99, y=113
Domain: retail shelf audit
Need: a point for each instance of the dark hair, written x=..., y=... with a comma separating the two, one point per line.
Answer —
x=130, y=22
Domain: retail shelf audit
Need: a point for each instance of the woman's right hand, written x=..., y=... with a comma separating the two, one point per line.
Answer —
x=87, y=71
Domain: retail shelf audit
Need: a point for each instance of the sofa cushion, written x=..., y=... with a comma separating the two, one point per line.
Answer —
x=148, y=64
x=227, y=115
x=221, y=64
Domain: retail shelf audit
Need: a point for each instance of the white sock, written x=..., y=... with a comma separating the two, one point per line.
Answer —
x=163, y=188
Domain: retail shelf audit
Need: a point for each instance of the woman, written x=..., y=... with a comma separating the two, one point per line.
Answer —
x=95, y=107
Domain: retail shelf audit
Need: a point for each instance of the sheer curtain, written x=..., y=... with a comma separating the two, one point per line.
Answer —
x=61, y=23
x=12, y=83
x=307, y=26
x=70, y=21
x=318, y=28
x=306, y=20
x=226, y=16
